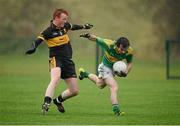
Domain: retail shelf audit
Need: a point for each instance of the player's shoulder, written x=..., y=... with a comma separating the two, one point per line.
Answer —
x=44, y=34
x=109, y=41
x=47, y=31
x=130, y=50
x=106, y=41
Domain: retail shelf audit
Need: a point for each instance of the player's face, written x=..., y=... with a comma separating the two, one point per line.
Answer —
x=62, y=19
x=120, y=49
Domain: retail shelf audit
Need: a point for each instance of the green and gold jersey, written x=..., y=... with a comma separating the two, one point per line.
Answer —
x=110, y=54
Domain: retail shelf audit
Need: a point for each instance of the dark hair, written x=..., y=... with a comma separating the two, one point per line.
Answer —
x=58, y=12
x=124, y=42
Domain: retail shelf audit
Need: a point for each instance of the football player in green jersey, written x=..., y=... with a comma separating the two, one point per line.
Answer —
x=113, y=51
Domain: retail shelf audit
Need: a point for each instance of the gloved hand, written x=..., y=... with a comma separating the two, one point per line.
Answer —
x=85, y=35
x=123, y=74
x=28, y=52
x=120, y=74
x=31, y=50
x=87, y=26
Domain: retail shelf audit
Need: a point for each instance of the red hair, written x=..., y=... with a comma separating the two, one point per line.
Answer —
x=58, y=12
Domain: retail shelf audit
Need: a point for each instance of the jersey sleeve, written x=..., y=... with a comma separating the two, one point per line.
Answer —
x=129, y=56
x=104, y=43
x=68, y=26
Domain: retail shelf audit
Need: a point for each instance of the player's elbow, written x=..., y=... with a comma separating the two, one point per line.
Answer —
x=130, y=65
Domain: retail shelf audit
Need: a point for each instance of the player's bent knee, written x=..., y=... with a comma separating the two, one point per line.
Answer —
x=114, y=89
x=100, y=86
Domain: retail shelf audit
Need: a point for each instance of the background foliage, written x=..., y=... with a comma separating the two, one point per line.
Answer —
x=146, y=23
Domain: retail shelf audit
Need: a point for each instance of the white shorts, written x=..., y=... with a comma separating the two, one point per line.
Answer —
x=104, y=71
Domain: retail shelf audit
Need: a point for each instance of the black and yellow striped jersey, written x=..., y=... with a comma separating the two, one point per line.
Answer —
x=58, y=40
x=55, y=36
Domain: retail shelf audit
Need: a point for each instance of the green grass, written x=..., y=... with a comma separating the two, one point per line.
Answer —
x=145, y=95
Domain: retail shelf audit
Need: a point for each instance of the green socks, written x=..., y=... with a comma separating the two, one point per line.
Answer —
x=115, y=108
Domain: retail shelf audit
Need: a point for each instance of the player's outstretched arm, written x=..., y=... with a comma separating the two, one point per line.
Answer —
x=78, y=27
x=89, y=36
x=87, y=26
x=33, y=47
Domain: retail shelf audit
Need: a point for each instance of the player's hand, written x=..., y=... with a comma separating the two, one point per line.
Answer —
x=87, y=26
x=31, y=50
x=120, y=74
x=123, y=74
x=85, y=35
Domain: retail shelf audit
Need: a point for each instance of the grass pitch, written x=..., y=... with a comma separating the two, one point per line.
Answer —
x=145, y=95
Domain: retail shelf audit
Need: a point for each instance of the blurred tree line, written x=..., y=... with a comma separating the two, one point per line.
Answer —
x=166, y=17
x=167, y=22
x=22, y=20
